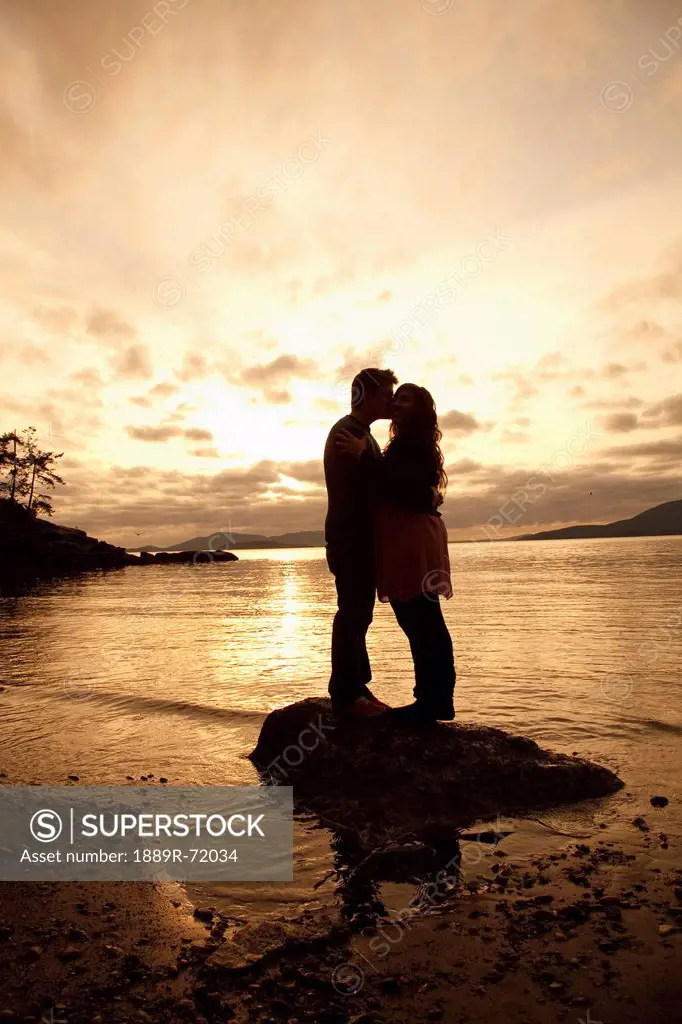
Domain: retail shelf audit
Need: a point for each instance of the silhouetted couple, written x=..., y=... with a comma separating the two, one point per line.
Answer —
x=384, y=535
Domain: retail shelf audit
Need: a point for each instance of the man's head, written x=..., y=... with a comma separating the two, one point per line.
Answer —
x=372, y=394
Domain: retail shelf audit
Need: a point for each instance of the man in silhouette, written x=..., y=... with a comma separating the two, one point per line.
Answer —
x=349, y=542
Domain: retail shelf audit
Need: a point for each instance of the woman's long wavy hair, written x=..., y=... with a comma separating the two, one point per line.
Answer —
x=422, y=428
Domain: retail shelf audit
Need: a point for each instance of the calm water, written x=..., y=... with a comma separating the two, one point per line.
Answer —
x=171, y=670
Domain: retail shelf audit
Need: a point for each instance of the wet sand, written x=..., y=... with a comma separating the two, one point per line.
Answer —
x=589, y=931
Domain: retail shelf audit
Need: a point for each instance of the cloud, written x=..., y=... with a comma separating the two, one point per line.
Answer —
x=667, y=413
x=205, y=453
x=108, y=325
x=125, y=501
x=326, y=405
x=180, y=413
x=88, y=267
x=283, y=368
x=169, y=506
x=369, y=302
x=89, y=376
x=666, y=285
x=600, y=491
x=163, y=389
x=459, y=422
x=619, y=404
x=612, y=371
x=311, y=472
x=164, y=432
x=645, y=330
x=155, y=434
x=196, y=434
x=523, y=389
x=194, y=366
x=30, y=355
x=55, y=318
x=557, y=366
x=552, y=366
x=514, y=437
x=134, y=361
x=668, y=450
x=278, y=397
x=673, y=354
x=464, y=467
x=355, y=360
x=77, y=399
x=271, y=377
x=620, y=422
x=55, y=420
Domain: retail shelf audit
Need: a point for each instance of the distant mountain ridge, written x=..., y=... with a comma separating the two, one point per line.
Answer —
x=662, y=521
x=223, y=541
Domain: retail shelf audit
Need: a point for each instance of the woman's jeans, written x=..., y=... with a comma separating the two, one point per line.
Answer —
x=421, y=619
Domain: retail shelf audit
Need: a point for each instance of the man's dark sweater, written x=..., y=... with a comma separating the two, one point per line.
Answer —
x=350, y=483
x=404, y=476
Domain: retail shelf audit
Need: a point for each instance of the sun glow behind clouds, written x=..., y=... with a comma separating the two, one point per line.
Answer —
x=248, y=428
x=97, y=207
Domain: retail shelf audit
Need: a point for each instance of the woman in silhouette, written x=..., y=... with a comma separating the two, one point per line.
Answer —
x=411, y=553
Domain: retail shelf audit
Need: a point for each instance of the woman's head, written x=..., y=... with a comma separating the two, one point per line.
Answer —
x=413, y=412
x=414, y=418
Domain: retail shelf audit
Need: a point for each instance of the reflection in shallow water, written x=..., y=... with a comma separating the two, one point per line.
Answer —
x=171, y=670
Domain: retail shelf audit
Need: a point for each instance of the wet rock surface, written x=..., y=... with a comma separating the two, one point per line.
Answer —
x=377, y=781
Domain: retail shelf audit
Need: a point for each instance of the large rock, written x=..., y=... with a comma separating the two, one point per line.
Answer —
x=184, y=557
x=379, y=781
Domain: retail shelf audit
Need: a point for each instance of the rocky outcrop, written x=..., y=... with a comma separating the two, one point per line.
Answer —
x=377, y=781
x=181, y=557
x=32, y=549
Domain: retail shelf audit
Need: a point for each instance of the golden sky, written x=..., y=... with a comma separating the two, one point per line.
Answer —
x=214, y=212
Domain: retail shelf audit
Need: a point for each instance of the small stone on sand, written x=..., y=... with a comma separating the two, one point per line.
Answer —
x=70, y=953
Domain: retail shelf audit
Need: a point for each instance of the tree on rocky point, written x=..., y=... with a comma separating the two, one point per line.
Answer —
x=23, y=466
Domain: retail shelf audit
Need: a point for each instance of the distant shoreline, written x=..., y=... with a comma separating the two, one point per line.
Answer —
x=661, y=521
x=480, y=543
